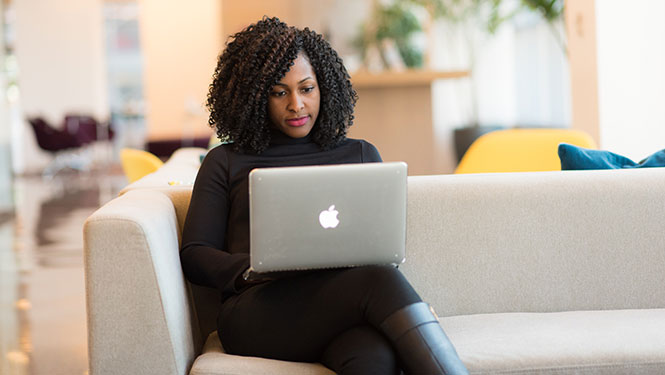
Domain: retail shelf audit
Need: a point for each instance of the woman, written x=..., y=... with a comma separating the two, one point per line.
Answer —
x=282, y=97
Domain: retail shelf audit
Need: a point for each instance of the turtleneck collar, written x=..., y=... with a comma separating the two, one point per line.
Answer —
x=279, y=138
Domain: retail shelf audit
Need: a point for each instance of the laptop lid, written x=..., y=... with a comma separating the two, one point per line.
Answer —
x=327, y=216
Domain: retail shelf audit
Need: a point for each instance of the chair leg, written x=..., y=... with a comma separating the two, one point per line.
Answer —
x=76, y=160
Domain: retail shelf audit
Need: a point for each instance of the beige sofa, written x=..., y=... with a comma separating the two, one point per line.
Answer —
x=530, y=273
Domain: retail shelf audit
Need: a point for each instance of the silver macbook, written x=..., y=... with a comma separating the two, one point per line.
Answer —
x=327, y=216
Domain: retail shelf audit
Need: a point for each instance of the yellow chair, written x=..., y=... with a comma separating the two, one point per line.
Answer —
x=138, y=163
x=520, y=150
x=214, y=141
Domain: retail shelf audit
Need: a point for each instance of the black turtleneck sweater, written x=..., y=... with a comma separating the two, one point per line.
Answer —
x=215, y=238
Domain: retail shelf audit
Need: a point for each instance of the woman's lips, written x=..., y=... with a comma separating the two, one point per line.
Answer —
x=299, y=121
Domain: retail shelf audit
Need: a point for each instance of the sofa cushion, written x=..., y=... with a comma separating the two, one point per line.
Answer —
x=575, y=342
x=213, y=361
x=573, y=158
x=578, y=342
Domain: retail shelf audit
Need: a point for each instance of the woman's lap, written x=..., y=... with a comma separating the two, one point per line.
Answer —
x=296, y=318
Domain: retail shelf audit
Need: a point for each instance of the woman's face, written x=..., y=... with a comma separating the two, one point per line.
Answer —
x=294, y=101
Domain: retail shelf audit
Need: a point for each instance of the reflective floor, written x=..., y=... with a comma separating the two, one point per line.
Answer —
x=42, y=292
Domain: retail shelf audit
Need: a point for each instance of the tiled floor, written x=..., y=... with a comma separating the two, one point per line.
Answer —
x=42, y=293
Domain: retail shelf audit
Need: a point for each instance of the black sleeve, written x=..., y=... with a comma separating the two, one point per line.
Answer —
x=370, y=154
x=203, y=256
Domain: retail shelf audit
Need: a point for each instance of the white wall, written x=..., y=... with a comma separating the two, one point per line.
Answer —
x=631, y=76
x=59, y=49
x=60, y=53
x=541, y=76
x=6, y=200
x=495, y=78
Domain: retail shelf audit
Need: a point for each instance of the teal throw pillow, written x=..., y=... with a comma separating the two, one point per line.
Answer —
x=573, y=157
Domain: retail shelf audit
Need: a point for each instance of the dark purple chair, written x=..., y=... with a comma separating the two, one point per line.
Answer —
x=166, y=147
x=63, y=145
x=87, y=129
x=51, y=139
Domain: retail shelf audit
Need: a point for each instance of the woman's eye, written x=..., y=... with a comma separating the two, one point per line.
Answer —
x=278, y=93
x=308, y=89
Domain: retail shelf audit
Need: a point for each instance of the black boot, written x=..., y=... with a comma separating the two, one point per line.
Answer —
x=422, y=346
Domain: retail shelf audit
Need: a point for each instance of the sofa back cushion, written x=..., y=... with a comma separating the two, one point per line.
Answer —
x=539, y=242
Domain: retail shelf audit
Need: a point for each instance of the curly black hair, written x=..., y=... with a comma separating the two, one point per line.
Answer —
x=254, y=60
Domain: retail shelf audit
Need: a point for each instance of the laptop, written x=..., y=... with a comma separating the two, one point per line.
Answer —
x=330, y=216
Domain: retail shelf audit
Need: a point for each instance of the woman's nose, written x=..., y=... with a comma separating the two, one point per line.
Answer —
x=295, y=103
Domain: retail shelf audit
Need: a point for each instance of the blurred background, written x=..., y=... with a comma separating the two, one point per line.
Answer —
x=80, y=80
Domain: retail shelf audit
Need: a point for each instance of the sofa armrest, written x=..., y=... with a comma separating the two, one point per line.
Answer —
x=140, y=318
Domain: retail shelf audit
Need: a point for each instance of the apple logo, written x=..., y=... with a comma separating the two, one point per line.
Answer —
x=328, y=218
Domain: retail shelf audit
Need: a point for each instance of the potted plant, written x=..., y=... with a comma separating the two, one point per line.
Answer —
x=385, y=41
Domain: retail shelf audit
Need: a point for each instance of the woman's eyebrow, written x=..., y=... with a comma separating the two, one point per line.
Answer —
x=299, y=82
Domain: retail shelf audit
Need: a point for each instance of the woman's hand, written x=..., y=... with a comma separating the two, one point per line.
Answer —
x=250, y=278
